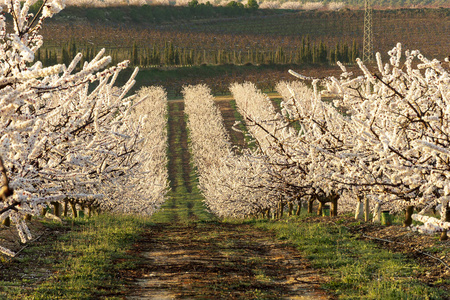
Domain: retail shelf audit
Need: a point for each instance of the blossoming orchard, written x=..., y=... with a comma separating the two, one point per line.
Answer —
x=69, y=137
x=382, y=143
x=72, y=140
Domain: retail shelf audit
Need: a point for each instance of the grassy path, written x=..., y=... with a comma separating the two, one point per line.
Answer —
x=187, y=254
x=184, y=202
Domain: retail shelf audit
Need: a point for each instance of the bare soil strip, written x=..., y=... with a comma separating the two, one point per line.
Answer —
x=213, y=260
x=193, y=259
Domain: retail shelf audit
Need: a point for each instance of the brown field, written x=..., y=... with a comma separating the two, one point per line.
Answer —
x=423, y=29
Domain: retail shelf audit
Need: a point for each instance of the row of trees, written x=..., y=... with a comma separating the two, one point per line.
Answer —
x=170, y=55
x=228, y=181
x=383, y=140
x=69, y=136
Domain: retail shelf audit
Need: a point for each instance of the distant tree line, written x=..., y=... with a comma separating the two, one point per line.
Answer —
x=170, y=55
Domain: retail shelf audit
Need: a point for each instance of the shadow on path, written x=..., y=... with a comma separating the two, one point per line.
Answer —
x=211, y=260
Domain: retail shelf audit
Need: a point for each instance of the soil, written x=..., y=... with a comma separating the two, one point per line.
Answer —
x=210, y=260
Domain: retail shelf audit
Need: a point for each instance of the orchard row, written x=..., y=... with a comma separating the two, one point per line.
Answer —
x=382, y=143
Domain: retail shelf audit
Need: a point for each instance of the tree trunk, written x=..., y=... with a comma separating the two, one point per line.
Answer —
x=444, y=235
x=74, y=209
x=56, y=209
x=359, y=212
x=377, y=213
x=291, y=208
x=299, y=208
x=310, y=206
x=280, y=209
x=7, y=222
x=408, y=213
x=334, y=206
x=66, y=208
x=366, y=209
x=320, y=208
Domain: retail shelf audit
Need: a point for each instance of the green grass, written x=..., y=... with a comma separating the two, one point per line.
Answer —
x=217, y=77
x=358, y=269
x=85, y=262
x=183, y=207
x=92, y=254
x=185, y=201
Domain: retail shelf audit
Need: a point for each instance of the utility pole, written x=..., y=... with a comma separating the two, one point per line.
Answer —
x=368, y=36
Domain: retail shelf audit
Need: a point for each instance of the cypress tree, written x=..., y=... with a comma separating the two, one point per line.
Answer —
x=65, y=56
x=38, y=55
x=135, y=54
x=72, y=49
x=45, y=60
x=190, y=58
x=337, y=53
x=87, y=55
x=303, y=57
x=155, y=56
x=355, y=53
x=332, y=56
x=279, y=56
x=249, y=59
x=239, y=58
x=217, y=57
x=345, y=53
x=308, y=50
x=176, y=58
x=322, y=55
x=271, y=59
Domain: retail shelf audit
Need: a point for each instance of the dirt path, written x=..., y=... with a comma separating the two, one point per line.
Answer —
x=210, y=260
x=188, y=255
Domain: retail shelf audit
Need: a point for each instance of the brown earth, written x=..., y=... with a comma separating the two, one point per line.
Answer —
x=212, y=260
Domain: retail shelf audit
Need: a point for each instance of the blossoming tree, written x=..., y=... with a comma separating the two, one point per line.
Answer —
x=233, y=185
x=68, y=134
x=399, y=133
